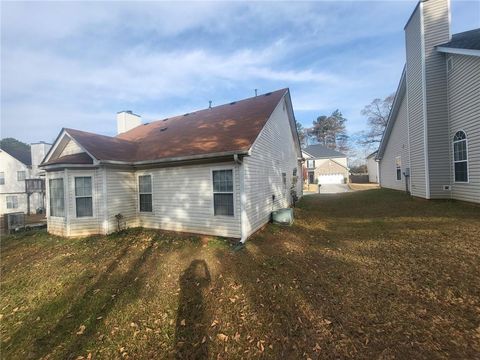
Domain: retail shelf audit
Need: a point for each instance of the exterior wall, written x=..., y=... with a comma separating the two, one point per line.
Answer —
x=464, y=110
x=121, y=198
x=183, y=200
x=416, y=113
x=436, y=29
x=372, y=168
x=396, y=146
x=12, y=187
x=71, y=148
x=273, y=153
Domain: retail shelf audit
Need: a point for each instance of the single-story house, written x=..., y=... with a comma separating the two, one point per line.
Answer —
x=217, y=171
x=372, y=168
x=431, y=144
x=325, y=165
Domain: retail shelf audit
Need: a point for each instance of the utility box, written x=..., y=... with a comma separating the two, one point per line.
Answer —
x=283, y=216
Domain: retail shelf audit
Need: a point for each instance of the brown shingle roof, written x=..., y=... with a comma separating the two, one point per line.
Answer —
x=80, y=158
x=226, y=128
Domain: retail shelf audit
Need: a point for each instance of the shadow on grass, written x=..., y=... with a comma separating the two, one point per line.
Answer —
x=191, y=339
x=88, y=309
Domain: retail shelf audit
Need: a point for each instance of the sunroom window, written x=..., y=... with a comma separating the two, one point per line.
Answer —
x=83, y=196
x=57, y=199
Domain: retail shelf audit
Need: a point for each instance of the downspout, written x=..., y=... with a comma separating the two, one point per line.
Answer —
x=243, y=199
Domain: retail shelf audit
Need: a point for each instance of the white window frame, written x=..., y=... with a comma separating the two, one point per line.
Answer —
x=14, y=202
x=24, y=175
x=219, y=168
x=2, y=178
x=313, y=167
x=139, y=193
x=398, y=166
x=459, y=161
x=65, y=185
x=75, y=176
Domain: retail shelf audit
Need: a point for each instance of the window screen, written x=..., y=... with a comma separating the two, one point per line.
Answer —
x=12, y=202
x=21, y=175
x=57, y=200
x=2, y=178
x=223, y=192
x=83, y=196
x=145, y=193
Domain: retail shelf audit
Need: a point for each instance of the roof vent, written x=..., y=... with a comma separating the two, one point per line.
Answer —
x=209, y=104
x=146, y=123
x=233, y=103
x=269, y=93
x=256, y=90
x=164, y=128
x=186, y=114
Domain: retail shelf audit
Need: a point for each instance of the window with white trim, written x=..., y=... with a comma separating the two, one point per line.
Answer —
x=284, y=180
x=310, y=164
x=83, y=196
x=2, y=178
x=57, y=197
x=12, y=202
x=460, y=157
x=222, y=192
x=21, y=175
x=145, y=193
x=398, y=167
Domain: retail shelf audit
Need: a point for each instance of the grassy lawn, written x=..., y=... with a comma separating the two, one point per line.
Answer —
x=368, y=274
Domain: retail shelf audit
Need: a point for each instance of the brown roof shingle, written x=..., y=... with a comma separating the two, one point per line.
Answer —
x=80, y=158
x=231, y=128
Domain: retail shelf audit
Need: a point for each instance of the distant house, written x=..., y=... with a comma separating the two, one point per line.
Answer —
x=431, y=145
x=17, y=166
x=372, y=167
x=325, y=166
x=218, y=171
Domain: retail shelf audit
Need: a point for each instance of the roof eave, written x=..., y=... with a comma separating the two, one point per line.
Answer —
x=458, y=51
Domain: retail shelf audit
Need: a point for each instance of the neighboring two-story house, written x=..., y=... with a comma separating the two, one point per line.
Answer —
x=431, y=145
x=17, y=166
x=325, y=166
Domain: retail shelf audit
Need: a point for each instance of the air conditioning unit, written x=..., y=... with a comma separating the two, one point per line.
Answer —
x=447, y=187
x=14, y=221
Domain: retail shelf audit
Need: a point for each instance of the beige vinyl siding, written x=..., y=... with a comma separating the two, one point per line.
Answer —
x=71, y=148
x=397, y=146
x=464, y=109
x=436, y=32
x=183, y=200
x=273, y=153
x=121, y=198
x=415, y=96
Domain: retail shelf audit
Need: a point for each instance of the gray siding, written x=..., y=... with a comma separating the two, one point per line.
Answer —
x=415, y=96
x=396, y=146
x=273, y=153
x=436, y=32
x=464, y=109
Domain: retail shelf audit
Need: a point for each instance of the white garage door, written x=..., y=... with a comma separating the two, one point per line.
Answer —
x=331, y=179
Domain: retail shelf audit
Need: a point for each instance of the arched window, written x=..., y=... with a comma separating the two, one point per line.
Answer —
x=460, y=156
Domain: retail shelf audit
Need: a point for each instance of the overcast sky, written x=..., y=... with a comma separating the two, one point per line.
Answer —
x=75, y=65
